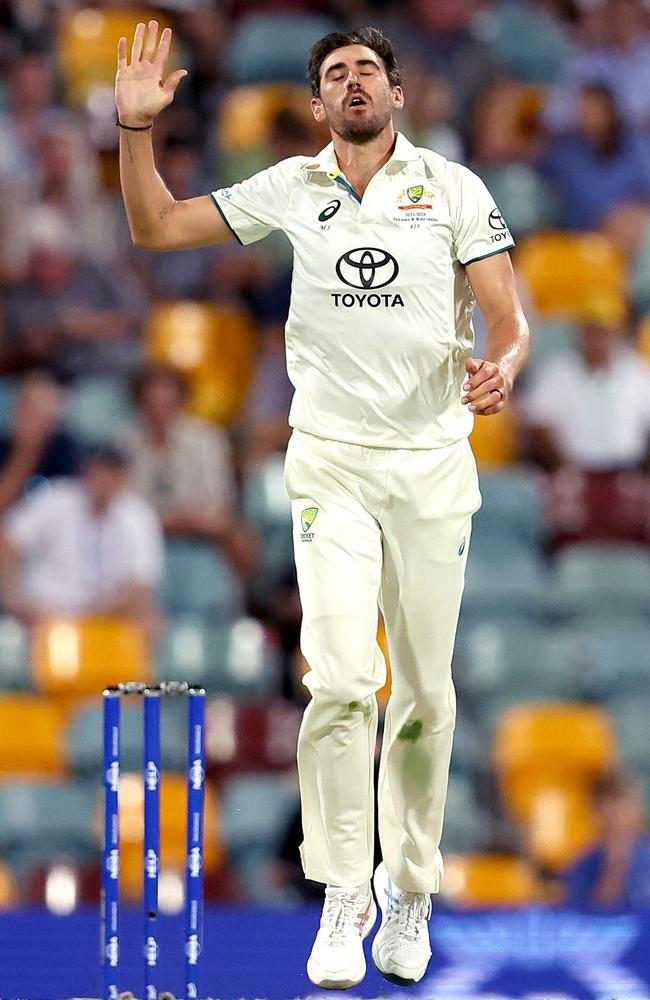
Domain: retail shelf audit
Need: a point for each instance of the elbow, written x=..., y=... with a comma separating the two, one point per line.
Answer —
x=146, y=241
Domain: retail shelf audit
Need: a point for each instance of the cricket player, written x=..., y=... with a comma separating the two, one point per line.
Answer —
x=392, y=247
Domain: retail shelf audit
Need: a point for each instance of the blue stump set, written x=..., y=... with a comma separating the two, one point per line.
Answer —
x=110, y=906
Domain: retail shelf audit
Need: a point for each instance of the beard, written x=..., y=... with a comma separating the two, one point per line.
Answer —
x=363, y=128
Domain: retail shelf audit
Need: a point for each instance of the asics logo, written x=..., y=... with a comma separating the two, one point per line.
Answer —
x=363, y=918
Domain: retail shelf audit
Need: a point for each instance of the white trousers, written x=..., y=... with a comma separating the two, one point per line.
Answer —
x=378, y=528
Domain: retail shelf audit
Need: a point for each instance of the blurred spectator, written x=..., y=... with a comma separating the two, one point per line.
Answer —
x=182, y=466
x=270, y=397
x=84, y=546
x=444, y=38
x=178, y=274
x=429, y=109
x=30, y=95
x=67, y=315
x=614, y=157
x=616, y=872
x=591, y=407
x=36, y=445
x=614, y=51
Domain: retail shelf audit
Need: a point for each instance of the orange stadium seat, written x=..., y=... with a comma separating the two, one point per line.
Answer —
x=78, y=657
x=213, y=346
x=31, y=737
x=547, y=757
x=247, y=114
x=568, y=272
x=173, y=805
x=494, y=439
x=8, y=888
x=87, y=46
x=489, y=880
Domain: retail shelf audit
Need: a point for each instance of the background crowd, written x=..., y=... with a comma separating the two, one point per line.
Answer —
x=143, y=418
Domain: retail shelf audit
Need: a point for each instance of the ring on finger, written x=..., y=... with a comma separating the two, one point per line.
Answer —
x=501, y=393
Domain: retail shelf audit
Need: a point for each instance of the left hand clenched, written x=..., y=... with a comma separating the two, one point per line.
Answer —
x=486, y=389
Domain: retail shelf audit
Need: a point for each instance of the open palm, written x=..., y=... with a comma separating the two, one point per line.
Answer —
x=141, y=92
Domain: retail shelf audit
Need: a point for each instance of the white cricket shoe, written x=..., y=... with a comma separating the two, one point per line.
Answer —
x=401, y=949
x=337, y=961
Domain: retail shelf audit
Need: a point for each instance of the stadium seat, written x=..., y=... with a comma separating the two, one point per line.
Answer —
x=512, y=505
x=86, y=46
x=596, y=507
x=173, y=806
x=97, y=406
x=199, y=580
x=504, y=664
x=570, y=274
x=40, y=821
x=8, y=888
x=630, y=713
x=601, y=580
x=31, y=737
x=73, y=658
x=264, y=48
x=518, y=593
x=14, y=655
x=551, y=337
x=530, y=42
x=236, y=659
x=84, y=744
x=489, y=881
x=247, y=114
x=494, y=439
x=547, y=757
x=213, y=346
x=251, y=736
x=256, y=813
x=615, y=656
x=267, y=507
x=466, y=824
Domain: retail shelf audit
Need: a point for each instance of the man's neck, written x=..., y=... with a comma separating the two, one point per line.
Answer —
x=360, y=162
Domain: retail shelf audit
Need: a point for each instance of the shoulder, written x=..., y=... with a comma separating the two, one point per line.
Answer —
x=189, y=428
x=135, y=510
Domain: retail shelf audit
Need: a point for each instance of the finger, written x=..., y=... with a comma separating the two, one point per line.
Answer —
x=487, y=371
x=472, y=365
x=163, y=50
x=121, y=54
x=136, y=49
x=150, y=41
x=487, y=402
x=488, y=386
x=173, y=80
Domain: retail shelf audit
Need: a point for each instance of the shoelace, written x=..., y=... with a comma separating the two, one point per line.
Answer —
x=339, y=914
x=411, y=910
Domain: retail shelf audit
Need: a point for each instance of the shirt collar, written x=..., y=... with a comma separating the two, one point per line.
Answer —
x=326, y=163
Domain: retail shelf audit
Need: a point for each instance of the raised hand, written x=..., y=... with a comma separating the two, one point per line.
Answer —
x=141, y=92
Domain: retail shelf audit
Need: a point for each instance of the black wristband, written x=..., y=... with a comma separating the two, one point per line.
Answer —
x=134, y=128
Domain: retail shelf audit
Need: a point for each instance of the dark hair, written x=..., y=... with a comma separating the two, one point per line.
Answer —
x=614, y=784
x=143, y=379
x=370, y=37
x=104, y=453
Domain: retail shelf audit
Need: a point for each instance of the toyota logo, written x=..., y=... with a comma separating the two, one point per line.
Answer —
x=367, y=267
x=496, y=220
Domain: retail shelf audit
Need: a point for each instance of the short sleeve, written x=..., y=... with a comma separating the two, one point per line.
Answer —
x=479, y=228
x=255, y=207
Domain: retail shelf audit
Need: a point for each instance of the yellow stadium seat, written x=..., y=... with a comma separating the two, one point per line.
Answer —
x=575, y=275
x=8, y=888
x=32, y=740
x=87, y=46
x=494, y=439
x=77, y=657
x=643, y=337
x=547, y=757
x=173, y=806
x=247, y=114
x=213, y=346
x=489, y=880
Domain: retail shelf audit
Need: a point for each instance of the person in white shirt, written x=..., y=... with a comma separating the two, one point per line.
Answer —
x=392, y=245
x=603, y=424
x=82, y=547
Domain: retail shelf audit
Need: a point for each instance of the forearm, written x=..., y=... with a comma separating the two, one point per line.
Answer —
x=21, y=464
x=508, y=344
x=147, y=200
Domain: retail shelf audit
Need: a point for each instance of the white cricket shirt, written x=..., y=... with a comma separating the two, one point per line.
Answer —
x=380, y=322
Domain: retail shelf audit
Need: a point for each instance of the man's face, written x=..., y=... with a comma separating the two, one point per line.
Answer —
x=356, y=99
